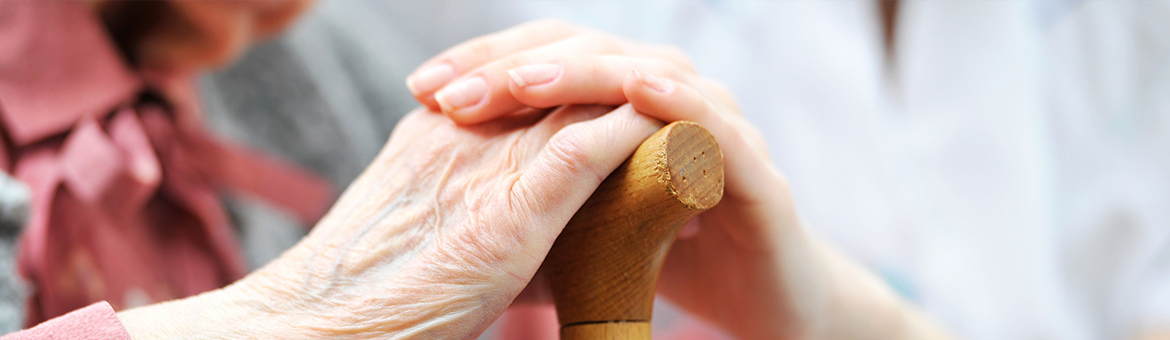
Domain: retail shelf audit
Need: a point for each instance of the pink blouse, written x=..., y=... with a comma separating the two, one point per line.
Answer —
x=97, y=321
x=125, y=187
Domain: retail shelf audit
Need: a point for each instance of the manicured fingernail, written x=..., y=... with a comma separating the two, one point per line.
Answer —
x=461, y=94
x=658, y=84
x=430, y=78
x=535, y=74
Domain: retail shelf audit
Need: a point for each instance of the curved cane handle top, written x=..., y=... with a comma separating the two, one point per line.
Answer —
x=603, y=268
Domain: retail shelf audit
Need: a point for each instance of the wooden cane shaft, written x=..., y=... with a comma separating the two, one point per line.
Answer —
x=607, y=331
x=603, y=268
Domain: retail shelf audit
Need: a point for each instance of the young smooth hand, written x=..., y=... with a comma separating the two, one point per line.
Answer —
x=747, y=264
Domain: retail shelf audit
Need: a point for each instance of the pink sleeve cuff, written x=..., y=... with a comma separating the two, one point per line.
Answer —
x=96, y=321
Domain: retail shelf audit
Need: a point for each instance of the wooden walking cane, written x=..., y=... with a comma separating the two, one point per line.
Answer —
x=603, y=268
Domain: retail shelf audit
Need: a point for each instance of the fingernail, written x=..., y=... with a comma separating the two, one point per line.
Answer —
x=658, y=84
x=461, y=94
x=430, y=78
x=535, y=74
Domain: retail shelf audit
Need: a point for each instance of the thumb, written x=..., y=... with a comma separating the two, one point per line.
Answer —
x=571, y=166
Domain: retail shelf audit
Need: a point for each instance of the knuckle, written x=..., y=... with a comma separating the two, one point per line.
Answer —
x=520, y=197
x=593, y=67
x=599, y=43
x=672, y=71
x=722, y=94
x=661, y=68
x=679, y=57
x=491, y=240
x=514, y=61
x=568, y=154
x=668, y=53
x=717, y=86
x=479, y=47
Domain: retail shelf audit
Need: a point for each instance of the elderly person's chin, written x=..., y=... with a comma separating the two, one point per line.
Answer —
x=178, y=38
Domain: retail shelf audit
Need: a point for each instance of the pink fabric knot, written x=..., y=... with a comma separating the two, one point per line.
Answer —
x=125, y=190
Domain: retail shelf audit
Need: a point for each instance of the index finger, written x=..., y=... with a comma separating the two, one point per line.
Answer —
x=438, y=71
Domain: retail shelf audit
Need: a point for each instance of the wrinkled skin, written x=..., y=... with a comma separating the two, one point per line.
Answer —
x=747, y=264
x=447, y=226
x=434, y=240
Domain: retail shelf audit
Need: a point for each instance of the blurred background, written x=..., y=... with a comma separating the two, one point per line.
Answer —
x=1004, y=165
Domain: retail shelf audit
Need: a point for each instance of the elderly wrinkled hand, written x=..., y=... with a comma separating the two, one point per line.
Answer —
x=733, y=272
x=747, y=264
x=435, y=239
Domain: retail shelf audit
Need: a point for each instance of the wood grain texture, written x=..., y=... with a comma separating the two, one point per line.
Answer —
x=603, y=268
x=607, y=331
